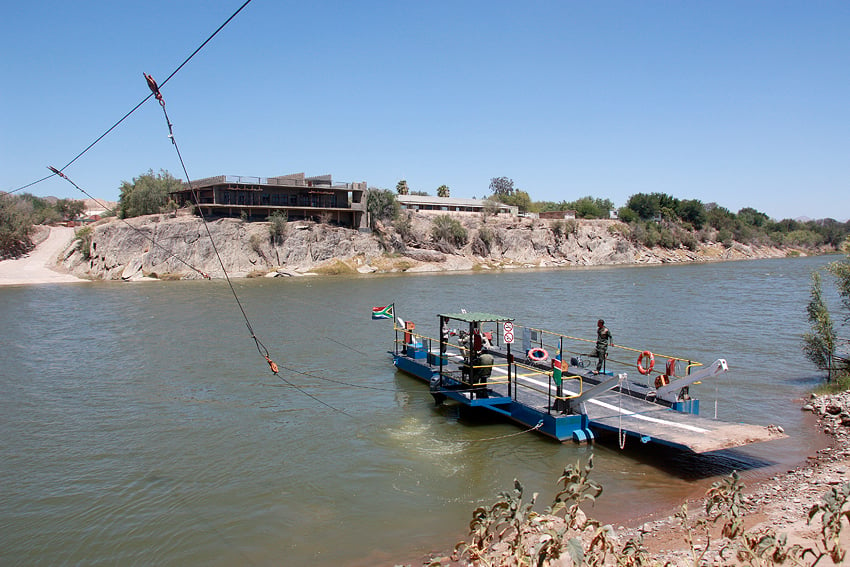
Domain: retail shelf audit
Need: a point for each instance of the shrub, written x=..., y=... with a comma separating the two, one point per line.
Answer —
x=627, y=215
x=510, y=532
x=486, y=234
x=557, y=227
x=404, y=227
x=491, y=207
x=449, y=230
x=666, y=239
x=645, y=233
x=334, y=267
x=256, y=244
x=84, y=238
x=689, y=241
x=278, y=227
x=619, y=228
x=15, y=228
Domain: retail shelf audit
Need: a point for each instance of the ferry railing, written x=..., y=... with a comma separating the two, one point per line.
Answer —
x=458, y=353
x=411, y=339
x=465, y=374
x=549, y=340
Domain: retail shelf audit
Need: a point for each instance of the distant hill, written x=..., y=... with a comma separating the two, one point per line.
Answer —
x=97, y=206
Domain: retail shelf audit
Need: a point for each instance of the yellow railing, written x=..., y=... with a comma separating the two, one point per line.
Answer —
x=545, y=343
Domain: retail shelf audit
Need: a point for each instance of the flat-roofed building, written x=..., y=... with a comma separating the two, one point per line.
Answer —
x=427, y=203
x=299, y=197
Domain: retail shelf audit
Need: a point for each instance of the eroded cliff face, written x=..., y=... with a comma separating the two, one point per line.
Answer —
x=179, y=247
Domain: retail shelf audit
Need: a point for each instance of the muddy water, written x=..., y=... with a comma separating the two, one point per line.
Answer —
x=138, y=424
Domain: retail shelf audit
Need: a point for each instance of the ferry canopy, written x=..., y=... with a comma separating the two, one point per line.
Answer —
x=476, y=317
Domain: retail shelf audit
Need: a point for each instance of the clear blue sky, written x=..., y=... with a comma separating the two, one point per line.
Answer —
x=742, y=103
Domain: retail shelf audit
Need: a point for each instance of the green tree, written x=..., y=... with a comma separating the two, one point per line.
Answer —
x=692, y=211
x=381, y=205
x=70, y=209
x=147, y=194
x=443, y=191
x=841, y=270
x=646, y=206
x=719, y=217
x=819, y=343
x=627, y=215
x=589, y=207
x=752, y=217
x=502, y=186
x=42, y=212
x=401, y=187
x=519, y=199
x=666, y=201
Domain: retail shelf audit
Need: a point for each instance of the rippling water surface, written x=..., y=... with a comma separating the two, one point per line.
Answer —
x=139, y=425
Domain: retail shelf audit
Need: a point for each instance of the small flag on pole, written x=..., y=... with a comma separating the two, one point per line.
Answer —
x=385, y=312
x=556, y=370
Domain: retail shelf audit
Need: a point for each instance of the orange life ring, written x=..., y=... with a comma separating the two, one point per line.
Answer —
x=649, y=366
x=671, y=367
x=538, y=354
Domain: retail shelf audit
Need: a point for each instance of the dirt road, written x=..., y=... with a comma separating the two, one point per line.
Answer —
x=38, y=267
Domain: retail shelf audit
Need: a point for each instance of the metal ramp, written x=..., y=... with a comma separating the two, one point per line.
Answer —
x=651, y=423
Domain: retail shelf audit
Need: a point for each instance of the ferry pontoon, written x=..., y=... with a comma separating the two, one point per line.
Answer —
x=539, y=379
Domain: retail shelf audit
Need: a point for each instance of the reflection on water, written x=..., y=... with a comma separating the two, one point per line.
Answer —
x=139, y=425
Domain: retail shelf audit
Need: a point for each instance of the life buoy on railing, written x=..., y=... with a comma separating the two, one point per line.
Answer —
x=538, y=354
x=670, y=369
x=650, y=363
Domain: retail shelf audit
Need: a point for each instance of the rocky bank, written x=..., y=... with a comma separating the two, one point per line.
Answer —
x=780, y=505
x=178, y=247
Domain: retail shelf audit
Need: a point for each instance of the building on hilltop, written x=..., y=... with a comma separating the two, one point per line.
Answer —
x=299, y=197
x=427, y=203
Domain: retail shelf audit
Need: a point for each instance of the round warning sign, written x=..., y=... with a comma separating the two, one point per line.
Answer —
x=508, y=332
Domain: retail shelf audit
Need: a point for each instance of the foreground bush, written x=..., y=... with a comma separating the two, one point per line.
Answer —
x=511, y=533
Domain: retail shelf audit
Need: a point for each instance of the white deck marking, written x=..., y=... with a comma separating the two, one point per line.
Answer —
x=620, y=411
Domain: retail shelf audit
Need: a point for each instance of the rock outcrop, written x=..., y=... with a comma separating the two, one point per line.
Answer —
x=165, y=246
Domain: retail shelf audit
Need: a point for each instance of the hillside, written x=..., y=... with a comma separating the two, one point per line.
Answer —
x=179, y=248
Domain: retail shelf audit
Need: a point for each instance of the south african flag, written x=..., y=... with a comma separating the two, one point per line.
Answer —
x=385, y=312
x=556, y=370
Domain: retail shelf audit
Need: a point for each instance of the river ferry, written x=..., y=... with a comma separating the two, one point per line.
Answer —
x=540, y=380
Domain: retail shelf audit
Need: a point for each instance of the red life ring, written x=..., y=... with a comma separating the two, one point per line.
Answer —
x=538, y=354
x=671, y=367
x=649, y=366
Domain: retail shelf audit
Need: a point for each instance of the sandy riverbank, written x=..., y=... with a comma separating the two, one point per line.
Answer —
x=39, y=266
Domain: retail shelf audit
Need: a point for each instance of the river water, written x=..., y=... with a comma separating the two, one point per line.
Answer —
x=139, y=424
